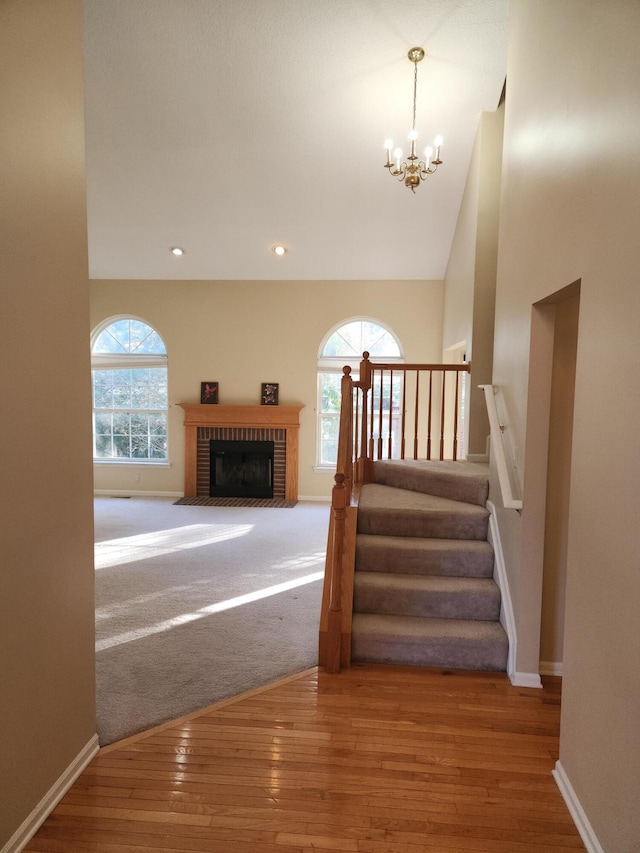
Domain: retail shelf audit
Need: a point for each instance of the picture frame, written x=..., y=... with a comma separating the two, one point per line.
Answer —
x=208, y=393
x=269, y=394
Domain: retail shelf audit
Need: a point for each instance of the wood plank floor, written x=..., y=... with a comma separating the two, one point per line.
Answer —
x=374, y=760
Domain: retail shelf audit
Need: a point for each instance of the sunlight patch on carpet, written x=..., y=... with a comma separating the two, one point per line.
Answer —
x=184, y=618
x=146, y=546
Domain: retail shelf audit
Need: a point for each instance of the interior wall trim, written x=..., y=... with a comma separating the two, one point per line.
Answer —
x=478, y=457
x=551, y=667
x=578, y=814
x=133, y=493
x=507, y=618
x=47, y=804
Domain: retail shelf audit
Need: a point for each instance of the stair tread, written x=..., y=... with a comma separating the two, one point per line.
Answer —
x=378, y=496
x=462, y=481
x=415, y=555
x=387, y=510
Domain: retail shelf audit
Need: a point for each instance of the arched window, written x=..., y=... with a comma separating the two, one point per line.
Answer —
x=129, y=368
x=344, y=344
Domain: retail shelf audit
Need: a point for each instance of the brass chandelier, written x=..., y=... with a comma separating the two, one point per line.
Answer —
x=413, y=169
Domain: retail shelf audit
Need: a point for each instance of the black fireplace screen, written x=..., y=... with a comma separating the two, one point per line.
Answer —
x=241, y=469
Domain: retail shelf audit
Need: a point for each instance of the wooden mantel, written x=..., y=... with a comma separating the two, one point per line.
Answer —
x=249, y=417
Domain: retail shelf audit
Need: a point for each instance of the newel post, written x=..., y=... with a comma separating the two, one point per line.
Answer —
x=345, y=437
x=334, y=639
x=363, y=464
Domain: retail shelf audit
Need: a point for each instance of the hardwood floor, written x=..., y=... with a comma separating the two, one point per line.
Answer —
x=374, y=760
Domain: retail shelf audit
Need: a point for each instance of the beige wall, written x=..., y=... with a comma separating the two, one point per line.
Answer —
x=243, y=333
x=47, y=713
x=470, y=280
x=570, y=212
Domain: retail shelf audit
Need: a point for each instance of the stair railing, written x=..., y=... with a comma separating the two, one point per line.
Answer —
x=410, y=411
x=497, y=447
x=393, y=411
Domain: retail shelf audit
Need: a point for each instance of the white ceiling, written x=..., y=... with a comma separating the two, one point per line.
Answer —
x=224, y=126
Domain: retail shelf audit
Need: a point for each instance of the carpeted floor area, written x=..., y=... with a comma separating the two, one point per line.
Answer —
x=198, y=603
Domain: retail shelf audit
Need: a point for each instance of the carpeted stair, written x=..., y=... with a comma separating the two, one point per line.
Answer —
x=424, y=592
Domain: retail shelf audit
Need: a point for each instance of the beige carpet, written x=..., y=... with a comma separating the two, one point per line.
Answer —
x=198, y=603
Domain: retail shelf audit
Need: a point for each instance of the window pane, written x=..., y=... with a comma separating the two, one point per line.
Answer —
x=139, y=424
x=158, y=425
x=103, y=446
x=121, y=389
x=157, y=387
x=102, y=389
x=330, y=427
x=102, y=423
x=140, y=389
x=121, y=423
x=330, y=385
x=139, y=447
x=121, y=445
x=158, y=447
x=106, y=342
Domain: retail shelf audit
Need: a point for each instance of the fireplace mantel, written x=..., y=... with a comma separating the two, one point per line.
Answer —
x=259, y=417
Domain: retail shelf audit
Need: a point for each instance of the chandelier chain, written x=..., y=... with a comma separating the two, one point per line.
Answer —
x=415, y=91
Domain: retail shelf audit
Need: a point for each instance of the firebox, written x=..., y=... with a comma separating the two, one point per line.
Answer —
x=241, y=469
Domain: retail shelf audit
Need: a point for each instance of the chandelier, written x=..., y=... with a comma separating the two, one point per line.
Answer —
x=413, y=169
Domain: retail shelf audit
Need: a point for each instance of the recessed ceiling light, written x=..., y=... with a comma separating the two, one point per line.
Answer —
x=279, y=249
x=176, y=250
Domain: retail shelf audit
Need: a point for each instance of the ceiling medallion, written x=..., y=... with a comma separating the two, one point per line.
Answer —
x=415, y=170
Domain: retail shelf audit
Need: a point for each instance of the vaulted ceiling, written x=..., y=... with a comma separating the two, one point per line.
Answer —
x=225, y=126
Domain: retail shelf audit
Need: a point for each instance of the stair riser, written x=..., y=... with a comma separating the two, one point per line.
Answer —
x=484, y=606
x=441, y=654
x=450, y=564
x=424, y=524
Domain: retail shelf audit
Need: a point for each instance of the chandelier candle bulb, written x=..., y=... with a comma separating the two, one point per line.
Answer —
x=388, y=145
x=438, y=143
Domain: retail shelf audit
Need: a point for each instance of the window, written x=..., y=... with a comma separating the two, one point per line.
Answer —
x=129, y=368
x=345, y=345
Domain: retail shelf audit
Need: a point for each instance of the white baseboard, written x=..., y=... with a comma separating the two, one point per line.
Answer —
x=551, y=667
x=525, y=679
x=325, y=499
x=47, y=804
x=507, y=618
x=580, y=819
x=132, y=493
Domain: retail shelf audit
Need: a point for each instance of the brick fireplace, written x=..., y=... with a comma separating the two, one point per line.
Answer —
x=280, y=424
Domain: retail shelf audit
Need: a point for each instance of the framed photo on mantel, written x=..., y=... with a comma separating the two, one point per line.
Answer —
x=269, y=396
x=208, y=392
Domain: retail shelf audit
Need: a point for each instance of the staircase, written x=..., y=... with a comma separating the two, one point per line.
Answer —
x=423, y=588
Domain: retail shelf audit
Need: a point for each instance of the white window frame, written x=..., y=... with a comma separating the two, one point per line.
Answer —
x=123, y=361
x=334, y=365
